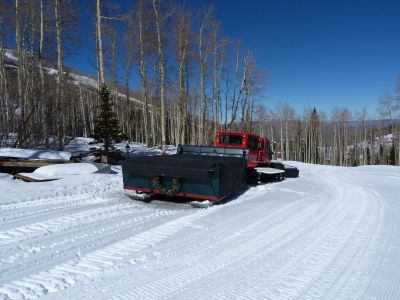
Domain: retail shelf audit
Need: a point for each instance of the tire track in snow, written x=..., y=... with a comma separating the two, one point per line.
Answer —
x=252, y=212
x=383, y=282
x=102, y=186
x=215, y=266
x=53, y=225
x=290, y=273
x=23, y=261
x=191, y=242
x=36, y=205
x=354, y=270
x=218, y=246
x=312, y=268
x=240, y=266
x=172, y=285
x=218, y=238
x=96, y=262
x=59, y=204
x=62, y=210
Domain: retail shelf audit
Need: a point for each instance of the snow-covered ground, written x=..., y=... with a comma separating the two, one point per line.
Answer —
x=35, y=154
x=333, y=233
x=82, y=145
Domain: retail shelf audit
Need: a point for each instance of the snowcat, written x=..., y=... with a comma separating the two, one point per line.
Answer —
x=206, y=172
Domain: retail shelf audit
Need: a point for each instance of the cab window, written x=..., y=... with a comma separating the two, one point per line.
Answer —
x=253, y=143
x=231, y=139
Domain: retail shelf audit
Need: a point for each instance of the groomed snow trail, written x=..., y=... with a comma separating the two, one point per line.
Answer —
x=333, y=233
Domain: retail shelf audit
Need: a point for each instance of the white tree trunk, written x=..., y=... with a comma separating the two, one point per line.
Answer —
x=60, y=75
x=99, y=42
x=145, y=91
x=161, y=62
x=20, y=104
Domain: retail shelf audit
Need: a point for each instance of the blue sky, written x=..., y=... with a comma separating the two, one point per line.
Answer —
x=318, y=53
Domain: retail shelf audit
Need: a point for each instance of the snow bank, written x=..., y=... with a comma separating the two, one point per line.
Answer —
x=83, y=145
x=35, y=154
x=61, y=171
x=66, y=169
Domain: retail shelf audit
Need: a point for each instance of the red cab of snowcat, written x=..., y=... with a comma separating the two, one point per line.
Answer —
x=260, y=153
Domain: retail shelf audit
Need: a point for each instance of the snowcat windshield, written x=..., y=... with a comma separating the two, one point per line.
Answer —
x=232, y=139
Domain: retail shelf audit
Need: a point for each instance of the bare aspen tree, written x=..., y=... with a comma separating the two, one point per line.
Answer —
x=5, y=118
x=143, y=75
x=334, y=158
x=314, y=129
x=226, y=98
x=4, y=109
x=287, y=115
x=387, y=106
x=161, y=65
x=322, y=145
x=280, y=114
x=287, y=150
x=364, y=143
x=20, y=53
x=42, y=79
x=346, y=117
x=261, y=118
x=83, y=112
x=114, y=42
x=154, y=111
x=222, y=61
x=99, y=36
x=60, y=75
x=202, y=65
x=245, y=87
x=361, y=140
x=299, y=142
x=183, y=28
x=129, y=56
x=235, y=99
x=214, y=36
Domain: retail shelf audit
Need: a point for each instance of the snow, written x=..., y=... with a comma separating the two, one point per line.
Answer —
x=79, y=80
x=51, y=71
x=387, y=139
x=61, y=170
x=82, y=145
x=10, y=55
x=332, y=233
x=35, y=154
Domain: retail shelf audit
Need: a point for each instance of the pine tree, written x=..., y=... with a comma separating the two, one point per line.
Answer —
x=392, y=156
x=107, y=129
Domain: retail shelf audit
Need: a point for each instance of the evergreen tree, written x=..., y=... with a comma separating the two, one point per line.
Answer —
x=392, y=156
x=368, y=156
x=107, y=129
x=312, y=143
